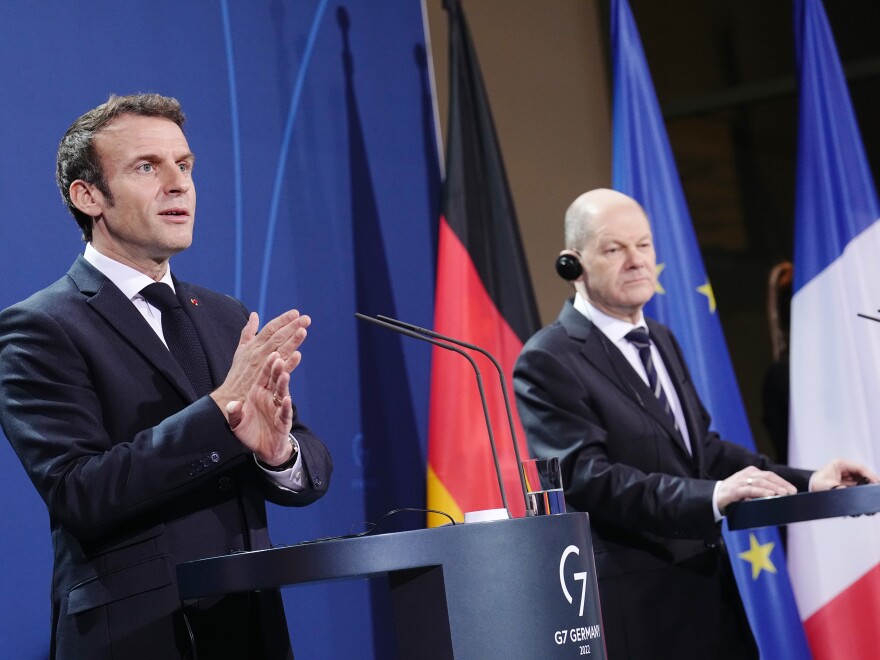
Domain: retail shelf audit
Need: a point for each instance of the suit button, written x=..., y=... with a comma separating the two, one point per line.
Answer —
x=317, y=481
x=225, y=483
x=215, y=457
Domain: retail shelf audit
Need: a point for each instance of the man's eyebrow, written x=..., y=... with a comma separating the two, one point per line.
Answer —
x=155, y=158
x=189, y=155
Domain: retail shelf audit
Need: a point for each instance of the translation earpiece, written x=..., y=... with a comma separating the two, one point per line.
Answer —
x=568, y=266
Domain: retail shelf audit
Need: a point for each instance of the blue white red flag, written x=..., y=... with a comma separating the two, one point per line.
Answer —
x=835, y=355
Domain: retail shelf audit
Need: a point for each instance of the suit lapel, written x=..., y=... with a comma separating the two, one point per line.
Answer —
x=107, y=300
x=607, y=359
x=603, y=355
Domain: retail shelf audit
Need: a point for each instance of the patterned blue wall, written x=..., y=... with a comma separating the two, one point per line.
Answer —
x=318, y=188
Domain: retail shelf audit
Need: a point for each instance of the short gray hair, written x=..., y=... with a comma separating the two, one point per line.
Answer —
x=579, y=222
x=580, y=218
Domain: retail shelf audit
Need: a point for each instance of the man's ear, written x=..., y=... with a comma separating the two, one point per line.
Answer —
x=86, y=197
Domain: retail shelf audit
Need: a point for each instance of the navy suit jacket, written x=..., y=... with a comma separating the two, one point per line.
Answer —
x=137, y=473
x=650, y=501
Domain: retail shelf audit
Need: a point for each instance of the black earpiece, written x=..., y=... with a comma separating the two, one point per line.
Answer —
x=569, y=267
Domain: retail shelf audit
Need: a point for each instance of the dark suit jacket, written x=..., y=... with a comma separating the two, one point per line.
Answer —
x=663, y=578
x=136, y=473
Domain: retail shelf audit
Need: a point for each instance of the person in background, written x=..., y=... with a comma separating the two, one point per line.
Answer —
x=775, y=390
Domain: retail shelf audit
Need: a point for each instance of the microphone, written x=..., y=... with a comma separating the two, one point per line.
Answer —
x=504, y=390
x=870, y=318
x=448, y=346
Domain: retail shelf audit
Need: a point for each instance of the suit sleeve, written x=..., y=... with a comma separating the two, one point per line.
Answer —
x=618, y=463
x=317, y=467
x=63, y=400
x=611, y=478
x=566, y=415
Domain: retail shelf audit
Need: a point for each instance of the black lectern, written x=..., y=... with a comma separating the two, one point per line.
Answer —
x=522, y=588
x=853, y=501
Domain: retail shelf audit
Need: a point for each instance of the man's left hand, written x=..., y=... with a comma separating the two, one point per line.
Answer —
x=842, y=473
x=263, y=420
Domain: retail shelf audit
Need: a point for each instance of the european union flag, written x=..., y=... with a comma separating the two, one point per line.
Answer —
x=643, y=167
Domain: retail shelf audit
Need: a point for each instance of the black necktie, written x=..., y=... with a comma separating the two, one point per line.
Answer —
x=639, y=338
x=180, y=335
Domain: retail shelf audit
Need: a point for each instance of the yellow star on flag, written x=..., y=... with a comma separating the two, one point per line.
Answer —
x=706, y=290
x=758, y=556
x=657, y=286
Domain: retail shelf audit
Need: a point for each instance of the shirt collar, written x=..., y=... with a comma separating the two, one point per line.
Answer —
x=613, y=328
x=126, y=278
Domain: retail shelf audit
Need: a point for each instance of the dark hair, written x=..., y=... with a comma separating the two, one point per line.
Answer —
x=78, y=158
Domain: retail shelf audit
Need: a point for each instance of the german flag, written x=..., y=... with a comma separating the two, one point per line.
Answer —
x=484, y=296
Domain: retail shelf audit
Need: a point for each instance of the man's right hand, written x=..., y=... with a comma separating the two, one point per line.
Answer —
x=748, y=484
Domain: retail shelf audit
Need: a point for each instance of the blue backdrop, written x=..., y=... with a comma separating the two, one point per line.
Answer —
x=318, y=187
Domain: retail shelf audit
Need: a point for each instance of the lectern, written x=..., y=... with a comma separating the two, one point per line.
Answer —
x=521, y=588
x=785, y=509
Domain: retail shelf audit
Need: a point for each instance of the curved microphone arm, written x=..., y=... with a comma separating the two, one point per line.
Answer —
x=409, y=333
x=501, y=378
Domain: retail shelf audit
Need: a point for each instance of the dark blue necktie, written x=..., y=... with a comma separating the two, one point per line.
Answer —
x=180, y=336
x=639, y=338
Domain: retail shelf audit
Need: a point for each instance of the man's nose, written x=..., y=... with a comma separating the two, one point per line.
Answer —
x=177, y=181
x=634, y=257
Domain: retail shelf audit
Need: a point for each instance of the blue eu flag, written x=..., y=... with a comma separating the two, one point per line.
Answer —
x=643, y=168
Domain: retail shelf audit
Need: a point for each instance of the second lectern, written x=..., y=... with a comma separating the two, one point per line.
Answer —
x=521, y=588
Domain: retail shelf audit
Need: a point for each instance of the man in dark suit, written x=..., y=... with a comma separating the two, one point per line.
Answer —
x=147, y=457
x=620, y=411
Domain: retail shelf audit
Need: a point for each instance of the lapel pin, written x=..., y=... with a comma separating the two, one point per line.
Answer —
x=194, y=301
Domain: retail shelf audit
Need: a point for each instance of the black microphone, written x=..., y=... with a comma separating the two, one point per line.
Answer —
x=447, y=346
x=870, y=318
x=501, y=379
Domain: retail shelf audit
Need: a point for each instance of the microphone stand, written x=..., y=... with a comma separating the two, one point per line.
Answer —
x=501, y=379
x=447, y=346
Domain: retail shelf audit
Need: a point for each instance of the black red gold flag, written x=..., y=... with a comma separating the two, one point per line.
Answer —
x=483, y=296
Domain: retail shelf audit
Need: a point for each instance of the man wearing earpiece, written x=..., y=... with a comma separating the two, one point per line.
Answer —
x=607, y=391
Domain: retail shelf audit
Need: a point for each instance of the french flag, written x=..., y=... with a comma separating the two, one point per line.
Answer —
x=835, y=354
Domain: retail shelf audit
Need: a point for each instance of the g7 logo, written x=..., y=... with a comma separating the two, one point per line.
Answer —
x=582, y=577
